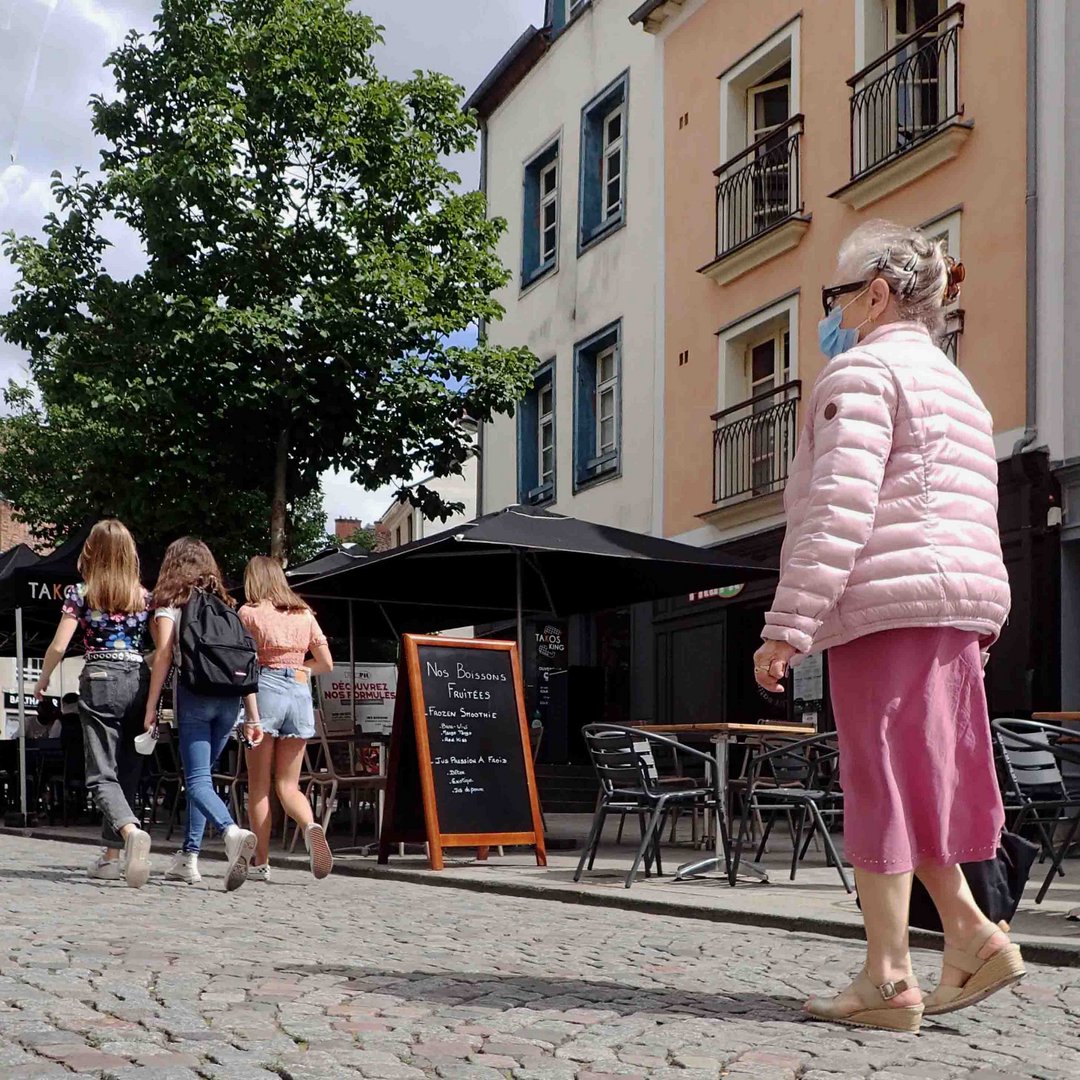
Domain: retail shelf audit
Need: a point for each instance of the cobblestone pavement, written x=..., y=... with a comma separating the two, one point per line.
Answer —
x=355, y=977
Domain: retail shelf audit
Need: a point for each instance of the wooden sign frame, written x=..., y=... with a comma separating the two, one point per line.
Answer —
x=410, y=696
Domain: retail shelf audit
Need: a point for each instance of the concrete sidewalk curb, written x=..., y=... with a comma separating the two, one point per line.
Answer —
x=1053, y=955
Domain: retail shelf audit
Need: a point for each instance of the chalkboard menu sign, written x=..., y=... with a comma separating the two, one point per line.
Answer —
x=460, y=771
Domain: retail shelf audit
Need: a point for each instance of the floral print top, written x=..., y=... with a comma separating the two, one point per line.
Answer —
x=108, y=631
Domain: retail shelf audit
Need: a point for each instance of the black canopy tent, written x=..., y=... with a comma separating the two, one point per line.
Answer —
x=359, y=617
x=524, y=560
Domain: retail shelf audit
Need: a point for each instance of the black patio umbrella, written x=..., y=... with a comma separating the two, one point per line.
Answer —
x=327, y=561
x=526, y=560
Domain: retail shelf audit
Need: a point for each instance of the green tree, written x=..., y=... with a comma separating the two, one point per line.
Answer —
x=308, y=254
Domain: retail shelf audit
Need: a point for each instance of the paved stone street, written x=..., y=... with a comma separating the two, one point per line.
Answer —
x=356, y=977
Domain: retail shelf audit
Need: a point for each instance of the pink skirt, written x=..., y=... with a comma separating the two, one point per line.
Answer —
x=916, y=758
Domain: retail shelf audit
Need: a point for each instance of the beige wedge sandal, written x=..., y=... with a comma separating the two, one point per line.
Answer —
x=985, y=977
x=906, y=1019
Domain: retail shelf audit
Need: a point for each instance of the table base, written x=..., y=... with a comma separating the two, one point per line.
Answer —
x=705, y=866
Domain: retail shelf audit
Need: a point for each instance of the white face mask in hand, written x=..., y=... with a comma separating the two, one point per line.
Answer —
x=146, y=742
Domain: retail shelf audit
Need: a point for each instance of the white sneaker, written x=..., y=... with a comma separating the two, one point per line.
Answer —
x=239, y=847
x=185, y=867
x=322, y=858
x=259, y=873
x=137, y=858
x=105, y=869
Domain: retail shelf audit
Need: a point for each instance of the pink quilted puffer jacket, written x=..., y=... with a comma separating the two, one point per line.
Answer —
x=891, y=501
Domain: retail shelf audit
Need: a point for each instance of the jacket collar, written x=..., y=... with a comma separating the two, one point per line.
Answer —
x=898, y=331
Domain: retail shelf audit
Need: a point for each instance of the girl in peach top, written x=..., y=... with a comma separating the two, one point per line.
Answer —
x=285, y=632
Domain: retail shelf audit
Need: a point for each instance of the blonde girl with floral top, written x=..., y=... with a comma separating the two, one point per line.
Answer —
x=111, y=608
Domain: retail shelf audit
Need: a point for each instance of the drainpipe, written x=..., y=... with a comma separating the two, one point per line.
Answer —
x=482, y=330
x=1031, y=204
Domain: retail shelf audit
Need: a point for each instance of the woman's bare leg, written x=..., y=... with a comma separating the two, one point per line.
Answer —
x=961, y=917
x=259, y=766
x=288, y=760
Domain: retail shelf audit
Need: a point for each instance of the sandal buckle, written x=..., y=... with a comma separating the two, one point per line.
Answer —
x=889, y=990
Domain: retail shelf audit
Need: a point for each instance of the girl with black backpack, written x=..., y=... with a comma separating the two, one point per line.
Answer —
x=197, y=630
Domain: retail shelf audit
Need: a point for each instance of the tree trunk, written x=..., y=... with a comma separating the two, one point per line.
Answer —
x=278, y=506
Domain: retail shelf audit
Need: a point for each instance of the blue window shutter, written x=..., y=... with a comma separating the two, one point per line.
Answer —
x=557, y=14
x=590, y=179
x=528, y=458
x=584, y=414
x=530, y=233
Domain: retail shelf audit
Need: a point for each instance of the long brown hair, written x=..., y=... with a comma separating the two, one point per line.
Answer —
x=188, y=565
x=109, y=564
x=264, y=579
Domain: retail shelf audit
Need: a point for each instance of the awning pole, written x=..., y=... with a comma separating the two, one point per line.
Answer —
x=19, y=661
x=520, y=605
x=352, y=667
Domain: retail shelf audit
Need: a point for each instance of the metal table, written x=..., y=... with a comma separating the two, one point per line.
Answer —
x=720, y=735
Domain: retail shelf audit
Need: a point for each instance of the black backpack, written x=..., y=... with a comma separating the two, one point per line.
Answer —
x=218, y=657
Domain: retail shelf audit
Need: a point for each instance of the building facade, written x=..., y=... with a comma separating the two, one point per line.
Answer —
x=1055, y=407
x=402, y=523
x=784, y=126
x=571, y=161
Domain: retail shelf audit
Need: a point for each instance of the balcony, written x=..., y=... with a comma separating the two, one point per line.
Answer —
x=759, y=209
x=906, y=113
x=753, y=445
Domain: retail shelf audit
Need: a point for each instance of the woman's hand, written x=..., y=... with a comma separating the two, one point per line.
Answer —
x=253, y=732
x=771, y=664
x=149, y=720
x=41, y=688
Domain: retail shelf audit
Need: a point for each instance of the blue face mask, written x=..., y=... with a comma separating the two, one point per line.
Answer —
x=835, y=339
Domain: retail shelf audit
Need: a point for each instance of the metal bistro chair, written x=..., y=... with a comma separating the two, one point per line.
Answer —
x=1032, y=760
x=796, y=779
x=625, y=765
x=329, y=779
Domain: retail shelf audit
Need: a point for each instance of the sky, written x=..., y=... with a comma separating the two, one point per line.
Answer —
x=52, y=54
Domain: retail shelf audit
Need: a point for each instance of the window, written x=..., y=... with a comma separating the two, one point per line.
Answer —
x=760, y=92
x=560, y=12
x=768, y=367
x=597, y=406
x=602, y=199
x=540, y=228
x=613, y=164
x=947, y=229
x=409, y=527
x=755, y=428
x=536, y=440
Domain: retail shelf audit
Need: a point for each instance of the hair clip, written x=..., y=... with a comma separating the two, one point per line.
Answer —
x=954, y=278
x=884, y=260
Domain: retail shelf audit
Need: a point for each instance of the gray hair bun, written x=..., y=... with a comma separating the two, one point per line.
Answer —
x=915, y=268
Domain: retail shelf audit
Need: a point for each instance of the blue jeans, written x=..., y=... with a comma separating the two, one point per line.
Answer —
x=205, y=724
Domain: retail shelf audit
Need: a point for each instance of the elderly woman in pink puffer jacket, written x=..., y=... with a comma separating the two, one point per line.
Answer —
x=892, y=562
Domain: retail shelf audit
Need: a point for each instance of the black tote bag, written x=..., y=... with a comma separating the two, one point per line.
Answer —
x=997, y=884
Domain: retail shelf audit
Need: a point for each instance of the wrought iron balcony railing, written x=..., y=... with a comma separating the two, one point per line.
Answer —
x=753, y=444
x=908, y=94
x=758, y=188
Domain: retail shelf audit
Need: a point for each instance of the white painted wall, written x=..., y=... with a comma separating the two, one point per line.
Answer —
x=616, y=279
x=452, y=489
x=1058, y=229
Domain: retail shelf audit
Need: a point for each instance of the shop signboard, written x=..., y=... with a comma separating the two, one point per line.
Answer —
x=375, y=690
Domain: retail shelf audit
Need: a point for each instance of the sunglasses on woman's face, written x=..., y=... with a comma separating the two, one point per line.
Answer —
x=831, y=293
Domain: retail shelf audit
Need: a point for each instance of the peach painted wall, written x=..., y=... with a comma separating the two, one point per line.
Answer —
x=986, y=180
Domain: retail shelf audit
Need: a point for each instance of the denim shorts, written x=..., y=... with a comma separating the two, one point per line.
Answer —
x=285, y=709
